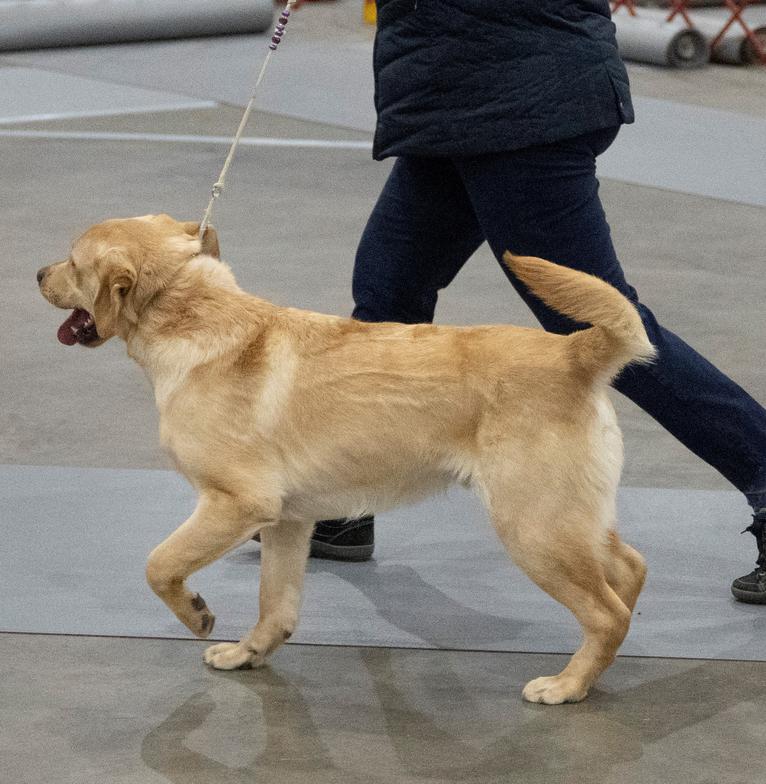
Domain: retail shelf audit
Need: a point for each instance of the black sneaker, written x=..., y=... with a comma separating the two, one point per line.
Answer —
x=752, y=587
x=342, y=540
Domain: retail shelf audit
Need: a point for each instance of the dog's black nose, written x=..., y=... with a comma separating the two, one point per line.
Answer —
x=41, y=274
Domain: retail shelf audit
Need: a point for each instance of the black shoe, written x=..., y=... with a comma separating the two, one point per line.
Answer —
x=752, y=587
x=342, y=540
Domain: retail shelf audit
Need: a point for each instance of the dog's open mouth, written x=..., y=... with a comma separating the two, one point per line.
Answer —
x=78, y=328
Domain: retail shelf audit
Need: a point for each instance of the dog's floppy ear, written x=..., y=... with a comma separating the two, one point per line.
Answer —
x=209, y=239
x=118, y=279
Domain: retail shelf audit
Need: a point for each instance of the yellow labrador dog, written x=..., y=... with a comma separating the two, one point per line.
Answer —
x=280, y=417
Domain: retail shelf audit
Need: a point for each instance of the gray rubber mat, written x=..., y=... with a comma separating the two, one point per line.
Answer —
x=75, y=542
x=659, y=151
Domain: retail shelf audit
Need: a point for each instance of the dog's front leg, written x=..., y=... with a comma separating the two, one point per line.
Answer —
x=220, y=522
x=284, y=551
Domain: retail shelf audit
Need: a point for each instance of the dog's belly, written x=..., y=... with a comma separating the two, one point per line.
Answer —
x=328, y=503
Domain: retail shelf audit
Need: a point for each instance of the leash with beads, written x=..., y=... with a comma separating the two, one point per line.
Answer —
x=220, y=184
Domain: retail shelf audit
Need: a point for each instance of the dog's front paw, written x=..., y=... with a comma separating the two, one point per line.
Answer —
x=232, y=656
x=555, y=689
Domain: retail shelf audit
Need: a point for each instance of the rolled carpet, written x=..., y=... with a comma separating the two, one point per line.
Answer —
x=647, y=39
x=37, y=24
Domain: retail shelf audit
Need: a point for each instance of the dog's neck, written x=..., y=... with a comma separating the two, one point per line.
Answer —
x=202, y=316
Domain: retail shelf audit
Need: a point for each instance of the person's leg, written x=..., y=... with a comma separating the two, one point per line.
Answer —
x=420, y=233
x=543, y=201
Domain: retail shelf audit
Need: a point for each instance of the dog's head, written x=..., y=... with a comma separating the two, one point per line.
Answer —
x=115, y=269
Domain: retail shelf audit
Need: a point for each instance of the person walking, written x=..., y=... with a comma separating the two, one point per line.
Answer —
x=496, y=112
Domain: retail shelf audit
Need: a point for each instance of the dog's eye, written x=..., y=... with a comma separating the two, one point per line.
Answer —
x=71, y=263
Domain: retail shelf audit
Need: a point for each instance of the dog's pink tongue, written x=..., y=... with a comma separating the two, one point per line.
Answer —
x=67, y=331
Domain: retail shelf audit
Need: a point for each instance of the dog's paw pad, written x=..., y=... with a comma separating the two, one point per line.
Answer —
x=207, y=622
x=201, y=621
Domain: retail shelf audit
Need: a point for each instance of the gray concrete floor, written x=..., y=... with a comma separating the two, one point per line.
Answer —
x=121, y=710
x=94, y=710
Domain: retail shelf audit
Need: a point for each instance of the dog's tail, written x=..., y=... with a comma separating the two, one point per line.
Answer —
x=616, y=336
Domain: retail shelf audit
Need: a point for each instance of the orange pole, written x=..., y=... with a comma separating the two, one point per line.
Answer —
x=370, y=12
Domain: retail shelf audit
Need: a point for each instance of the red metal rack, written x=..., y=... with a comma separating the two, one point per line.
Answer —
x=680, y=7
x=629, y=6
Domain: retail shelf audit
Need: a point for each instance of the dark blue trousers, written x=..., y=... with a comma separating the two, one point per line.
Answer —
x=543, y=201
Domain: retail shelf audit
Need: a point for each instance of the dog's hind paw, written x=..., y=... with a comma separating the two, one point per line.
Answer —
x=231, y=656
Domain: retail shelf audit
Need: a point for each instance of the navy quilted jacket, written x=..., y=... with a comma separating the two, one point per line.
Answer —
x=465, y=77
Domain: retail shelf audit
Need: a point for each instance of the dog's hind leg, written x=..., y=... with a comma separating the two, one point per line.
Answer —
x=219, y=523
x=565, y=553
x=625, y=570
x=284, y=552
